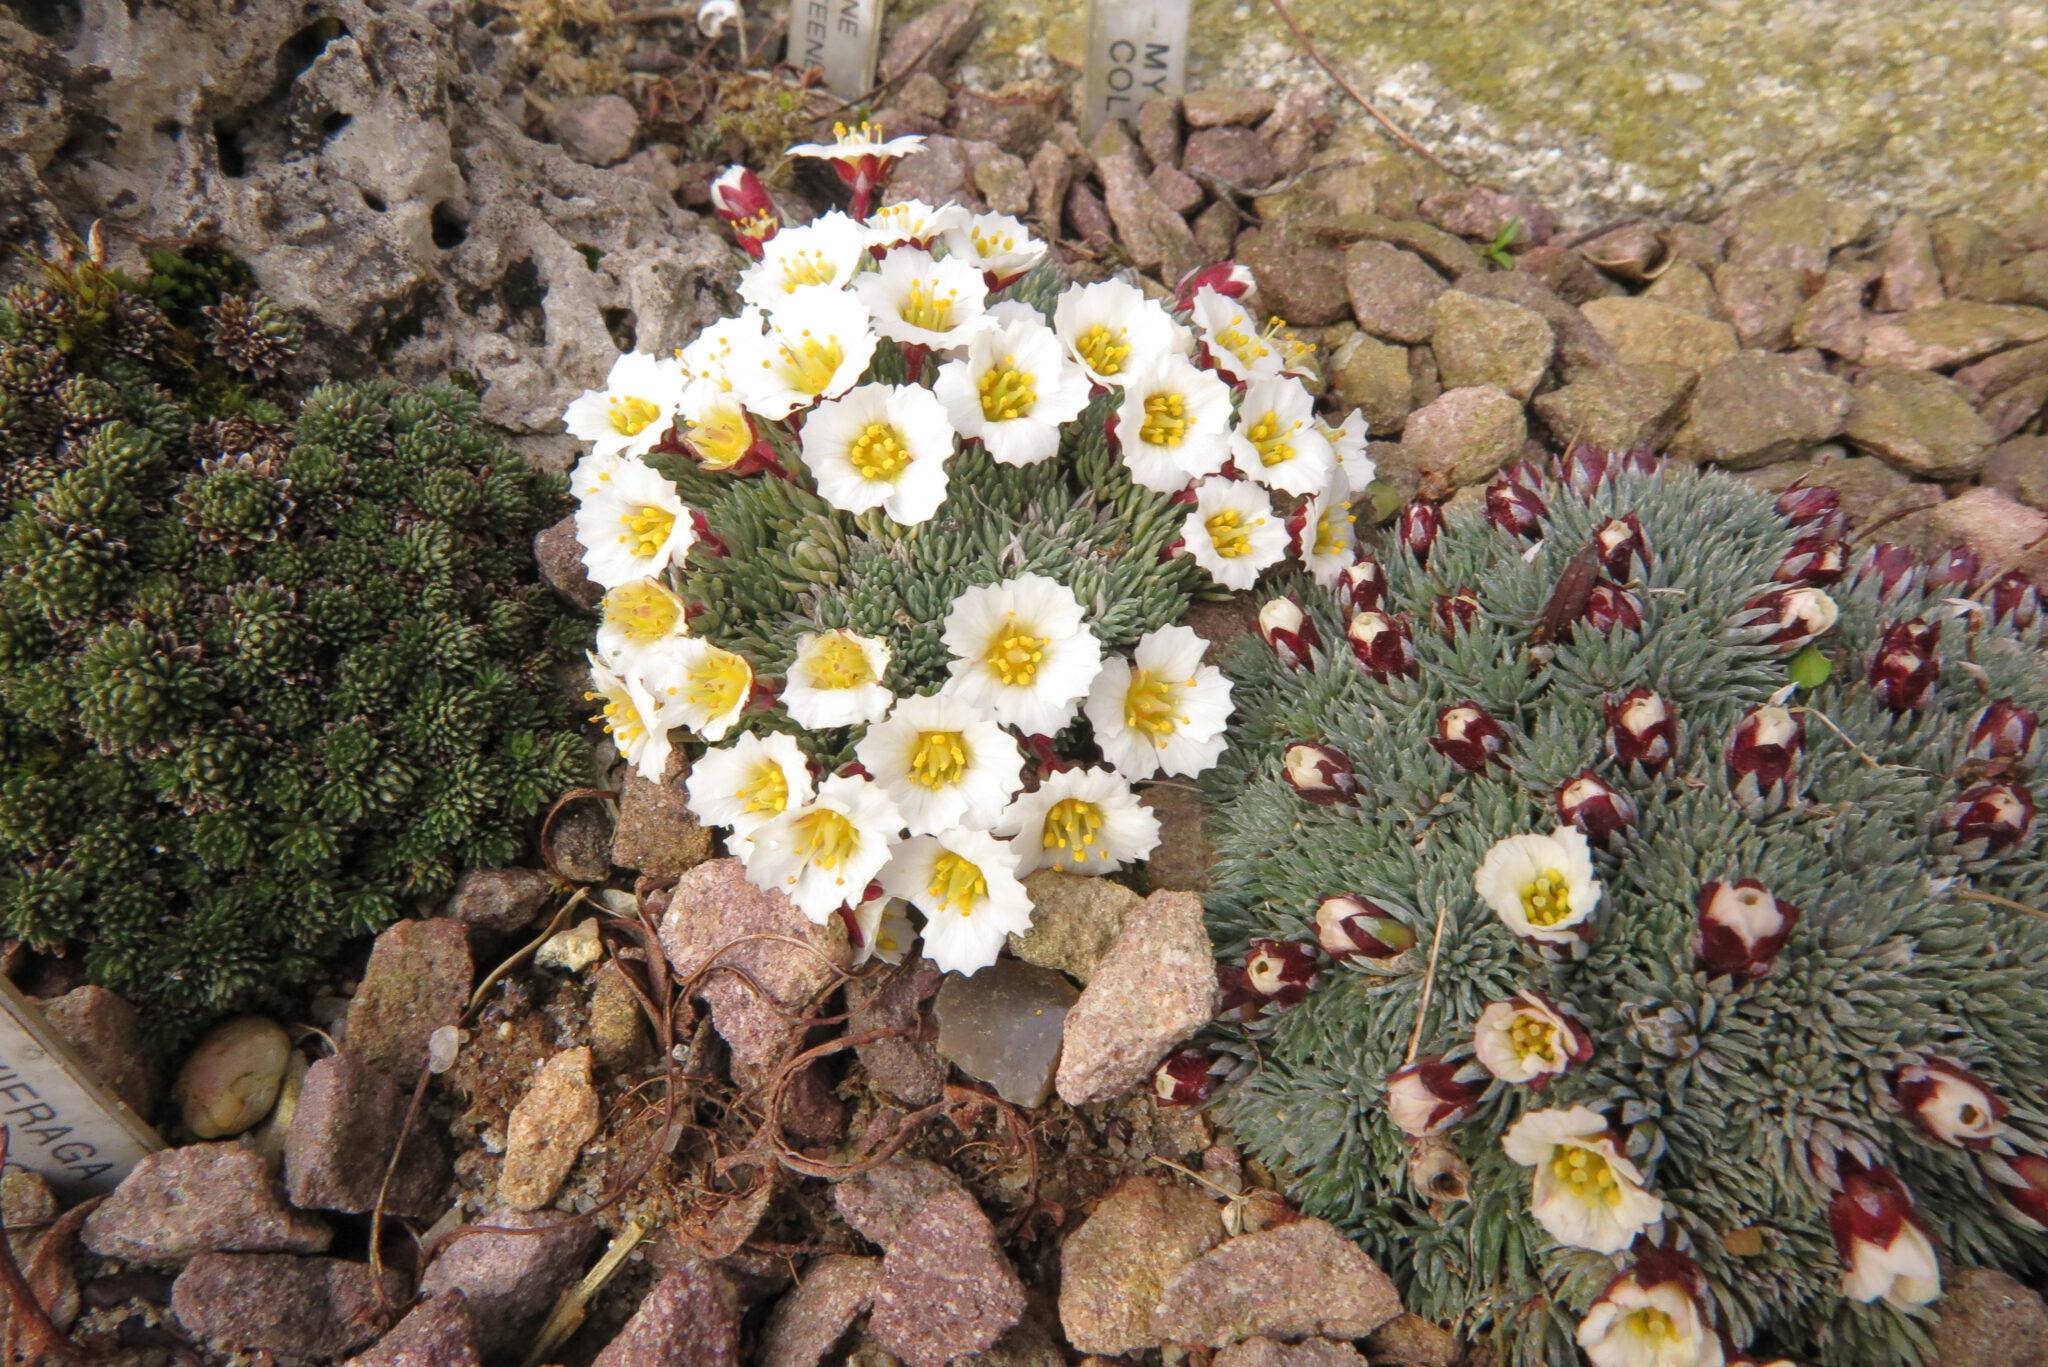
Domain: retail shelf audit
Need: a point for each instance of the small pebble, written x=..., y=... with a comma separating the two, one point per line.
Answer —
x=231, y=1080
x=572, y=950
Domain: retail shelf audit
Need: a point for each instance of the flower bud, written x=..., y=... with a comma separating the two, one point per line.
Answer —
x=1950, y=1104
x=1363, y=584
x=1590, y=804
x=1741, y=929
x=2016, y=598
x=2023, y=1181
x=1794, y=616
x=1810, y=506
x=1455, y=612
x=1289, y=630
x=1904, y=670
x=1956, y=571
x=1514, y=508
x=1765, y=747
x=1997, y=814
x=1467, y=736
x=1643, y=728
x=1620, y=540
x=738, y=197
x=1815, y=560
x=1585, y=468
x=1426, y=1097
x=2004, y=730
x=1609, y=606
x=1319, y=774
x=1184, y=1078
x=1280, y=971
x=1885, y=1251
x=1227, y=278
x=1422, y=522
x=1890, y=567
x=1382, y=645
x=1350, y=927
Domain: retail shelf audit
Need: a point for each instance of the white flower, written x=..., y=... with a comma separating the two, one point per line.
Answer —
x=1347, y=444
x=716, y=684
x=1275, y=440
x=640, y=705
x=1327, y=542
x=817, y=344
x=1232, y=337
x=1528, y=1038
x=713, y=423
x=1110, y=327
x=1021, y=651
x=836, y=679
x=918, y=300
x=913, y=221
x=1233, y=532
x=965, y=883
x=1013, y=388
x=630, y=521
x=746, y=785
x=996, y=244
x=1641, y=1323
x=882, y=930
x=1587, y=1194
x=1173, y=422
x=861, y=142
x=882, y=446
x=722, y=352
x=1079, y=821
x=639, y=615
x=826, y=852
x=1163, y=710
x=825, y=251
x=634, y=408
x=944, y=763
x=1541, y=886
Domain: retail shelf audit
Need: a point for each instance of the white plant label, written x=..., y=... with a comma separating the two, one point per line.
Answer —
x=61, y=1120
x=840, y=36
x=1136, y=50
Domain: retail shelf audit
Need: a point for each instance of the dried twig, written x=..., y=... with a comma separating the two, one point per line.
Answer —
x=1971, y=895
x=1436, y=944
x=26, y=1308
x=1400, y=135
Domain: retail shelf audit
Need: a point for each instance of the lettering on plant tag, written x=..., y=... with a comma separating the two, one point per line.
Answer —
x=839, y=36
x=1135, y=51
x=61, y=1120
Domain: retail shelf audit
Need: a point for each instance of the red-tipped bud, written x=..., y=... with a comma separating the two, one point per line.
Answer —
x=1422, y=522
x=1957, y=570
x=1741, y=929
x=1456, y=612
x=1319, y=774
x=1585, y=468
x=1609, y=606
x=1280, y=971
x=1812, y=506
x=2004, y=730
x=1184, y=1078
x=1815, y=560
x=738, y=197
x=1363, y=585
x=1468, y=737
x=1351, y=927
x=1592, y=805
x=2016, y=598
x=1381, y=644
x=1891, y=568
x=1885, y=1252
x=1793, y=616
x=2023, y=1181
x=1765, y=747
x=1995, y=815
x=1907, y=665
x=1289, y=630
x=1621, y=542
x=1950, y=1104
x=1643, y=728
x=1227, y=278
x=1514, y=508
x=1427, y=1097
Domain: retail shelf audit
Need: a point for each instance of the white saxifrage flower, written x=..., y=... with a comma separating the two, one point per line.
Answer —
x=826, y=852
x=1110, y=328
x=1079, y=821
x=639, y=706
x=639, y=615
x=746, y=785
x=1013, y=388
x=1348, y=446
x=944, y=762
x=882, y=446
x=825, y=251
x=723, y=351
x=1327, y=540
x=862, y=156
x=882, y=930
x=715, y=687
x=1022, y=651
x=995, y=244
x=816, y=345
x=1586, y=1194
x=713, y=423
x=1232, y=336
x=918, y=300
x=912, y=222
x=1541, y=886
x=1173, y=422
x=636, y=405
x=836, y=679
x=629, y=520
x=1652, y=1316
x=1529, y=1039
x=1163, y=710
x=1275, y=441
x=965, y=883
x=1233, y=532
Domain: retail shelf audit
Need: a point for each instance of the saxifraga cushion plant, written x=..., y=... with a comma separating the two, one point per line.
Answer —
x=1703, y=845
x=271, y=674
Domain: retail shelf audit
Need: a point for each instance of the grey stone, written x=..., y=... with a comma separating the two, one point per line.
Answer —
x=2019, y=467
x=690, y=1319
x=230, y=1080
x=599, y=130
x=1833, y=317
x=1019, y=118
x=1449, y=254
x=101, y=1027
x=1115, y=1265
x=1051, y=173
x=1074, y=921
x=1988, y=1319
x=1920, y=422
x=1156, y=237
x=438, y=1332
x=1617, y=406
x=1177, y=190
x=1291, y=1281
x=1760, y=408
x=1216, y=106
x=1996, y=374
x=1579, y=346
x=907, y=1067
x=1155, y=987
x=1488, y=342
x=1233, y=159
x=1628, y=251
x=1299, y=280
x=1088, y=217
x=937, y=173
x=1372, y=377
x=1390, y=291
x=1703, y=244
x=1969, y=255
x=510, y=1280
x=1159, y=130
x=545, y=1135
x=1265, y=1352
x=1005, y=182
x=1910, y=274
x=1481, y=212
x=932, y=42
x=1795, y=229
x=2011, y=409
x=1645, y=332
x=879, y=1202
x=560, y=557
x=1685, y=285
x=835, y=1289
x=579, y=840
x=1761, y=302
x=1566, y=271
x=416, y=982
x=1872, y=492
x=1002, y=1026
x=1183, y=856
x=275, y=1302
x=657, y=833
x=500, y=901
x=1414, y=1341
x=1950, y=334
x=204, y=1198
x=343, y=1129
x=2003, y=533
x=945, y=1288
x=1464, y=436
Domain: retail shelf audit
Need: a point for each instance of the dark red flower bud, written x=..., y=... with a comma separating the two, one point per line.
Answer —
x=1620, y=540
x=1227, y=278
x=1812, y=506
x=1422, y=522
x=2015, y=598
x=1289, y=630
x=1883, y=1246
x=1455, y=612
x=1815, y=560
x=2004, y=730
x=1644, y=729
x=1184, y=1078
x=1957, y=570
x=1950, y=1104
x=1907, y=665
x=1890, y=567
x=1997, y=814
x=1609, y=606
x=1765, y=748
x=1585, y=468
x=1741, y=928
x=1363, y=584
x=1428, y=1096
x=1280, y=971
x=1319, y=774
x=1794, y=616
x=1467, y=736
x=1382, y=645
x=1351, y=927
x=2023, y=1180
x=1591, y=804
x=738, y=197
x=1514, y=508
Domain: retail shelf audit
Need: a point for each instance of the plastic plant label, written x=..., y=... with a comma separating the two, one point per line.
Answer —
x=1136, y=50
x=61, y=1120
x=839, y=36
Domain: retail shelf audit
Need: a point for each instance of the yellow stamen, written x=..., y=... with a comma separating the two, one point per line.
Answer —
x=1269, y=437
x=836, y=660
x=1247, y=348
x=939, y=761
x=1230, y=533
x=1165, y=420
x=647, y=529
x=1533, y=1038
x=1006, y=392
x=1150, y=703
x=805, y=268
x=957, y=884
x=809, y=364
x=924, y=308
x=1589, y=1176
x=825, y=838
x=721, y=437
x=766, y=790
x=1070, y=825
x=1103, y=351
x=643, y=611
x=1015, y=654
x=1652, y=1326
x=630, y=416
x=1546, y=900
x=618, y=716
x=1331, y=528
x=991, y=243
x=721, y=685
x=879, y=452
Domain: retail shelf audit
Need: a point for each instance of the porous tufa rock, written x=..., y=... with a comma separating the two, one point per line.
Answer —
x=1155, y=987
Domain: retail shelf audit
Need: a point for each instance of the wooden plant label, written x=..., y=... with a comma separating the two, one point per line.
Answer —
x=1136, y=49
x=842, y=37
x=61, y=1120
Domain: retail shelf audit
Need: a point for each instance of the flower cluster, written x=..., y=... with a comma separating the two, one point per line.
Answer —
x=895, y=372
